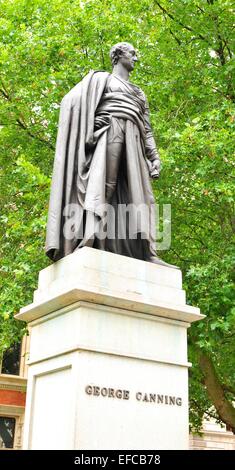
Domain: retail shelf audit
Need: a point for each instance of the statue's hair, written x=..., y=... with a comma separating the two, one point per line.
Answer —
x=117, y=51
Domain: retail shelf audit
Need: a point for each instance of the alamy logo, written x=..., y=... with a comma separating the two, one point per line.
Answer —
x=126, y=221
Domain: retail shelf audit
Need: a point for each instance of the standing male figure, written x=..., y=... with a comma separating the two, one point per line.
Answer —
x=105, y=153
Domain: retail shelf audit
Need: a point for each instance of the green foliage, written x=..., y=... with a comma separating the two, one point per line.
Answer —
x=186, y=68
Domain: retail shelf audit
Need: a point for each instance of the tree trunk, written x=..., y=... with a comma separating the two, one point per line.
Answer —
x=215, y=390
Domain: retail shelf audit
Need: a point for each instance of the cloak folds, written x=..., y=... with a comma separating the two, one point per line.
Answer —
x=79, y=173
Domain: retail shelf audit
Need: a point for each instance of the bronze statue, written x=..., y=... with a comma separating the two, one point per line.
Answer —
x=105, y=153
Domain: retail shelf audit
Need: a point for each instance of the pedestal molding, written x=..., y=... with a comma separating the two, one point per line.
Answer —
x=118, y=311
x=83, y=347
x=34, y=311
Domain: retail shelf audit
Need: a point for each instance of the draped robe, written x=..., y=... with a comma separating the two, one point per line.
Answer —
x=79, y=172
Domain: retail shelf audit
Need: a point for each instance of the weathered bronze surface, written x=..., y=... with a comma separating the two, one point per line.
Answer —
x=105, y=154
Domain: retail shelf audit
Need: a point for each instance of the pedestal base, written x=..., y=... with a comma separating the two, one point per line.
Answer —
x=108, y=357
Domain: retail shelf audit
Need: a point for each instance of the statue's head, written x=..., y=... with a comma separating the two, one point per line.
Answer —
x=125, y=53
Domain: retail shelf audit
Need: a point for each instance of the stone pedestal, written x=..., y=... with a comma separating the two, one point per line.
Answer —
x=108, y=357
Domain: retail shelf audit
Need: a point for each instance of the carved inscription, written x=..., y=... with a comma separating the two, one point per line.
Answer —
x=122, y=394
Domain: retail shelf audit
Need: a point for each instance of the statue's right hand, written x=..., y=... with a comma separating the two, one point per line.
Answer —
x=155, y=174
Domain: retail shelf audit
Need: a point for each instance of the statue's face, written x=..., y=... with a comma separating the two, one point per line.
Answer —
x=128, y=58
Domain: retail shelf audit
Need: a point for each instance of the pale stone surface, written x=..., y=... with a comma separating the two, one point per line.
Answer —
x=63, y=416
x=214, y=437
x=121, y=325
x=110, y=330
x=52, y=411
x=96, y=268
x=101, y=277
x=16, y=412
x=213, y=440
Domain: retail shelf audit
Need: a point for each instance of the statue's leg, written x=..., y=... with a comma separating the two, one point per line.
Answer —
x=115, y=142
x=114, y=151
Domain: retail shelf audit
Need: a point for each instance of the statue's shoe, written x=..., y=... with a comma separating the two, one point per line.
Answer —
x=156, y=260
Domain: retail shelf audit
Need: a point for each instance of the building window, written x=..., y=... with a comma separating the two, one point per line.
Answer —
x=7, y=432
x=11, y=360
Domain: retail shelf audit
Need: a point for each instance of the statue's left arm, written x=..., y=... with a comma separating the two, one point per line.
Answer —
x=151, y=151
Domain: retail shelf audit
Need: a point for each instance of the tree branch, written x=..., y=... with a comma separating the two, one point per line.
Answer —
x=229, y=389
x=200, y=9
x=175, y=37
x=4, y=93
x=215, y=390
x=172, y=17
x=225, y=95
x=22, y=124
x=20, y=121
x=210, y=414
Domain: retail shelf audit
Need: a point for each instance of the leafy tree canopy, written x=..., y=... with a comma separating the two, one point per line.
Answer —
x=186, y=67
